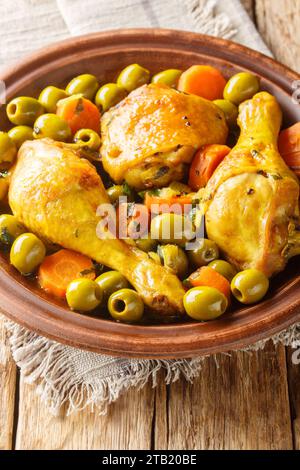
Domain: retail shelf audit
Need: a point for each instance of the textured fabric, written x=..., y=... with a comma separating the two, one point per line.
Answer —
x=64, y=374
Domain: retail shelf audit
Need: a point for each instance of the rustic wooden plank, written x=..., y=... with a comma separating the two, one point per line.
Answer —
x=243, y=404
x=128, y=424
x=278, y=24
x=7, y=391
x=293, y=365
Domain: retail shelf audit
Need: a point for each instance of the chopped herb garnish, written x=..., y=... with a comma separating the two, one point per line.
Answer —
x=127, y=191
x=3, y=173
x=250, y=191
x=254, y=153
x=276, y=176
x=263, y=173
x=76, y=233
x=79, y=106
x=163, y=170
x=85, y=272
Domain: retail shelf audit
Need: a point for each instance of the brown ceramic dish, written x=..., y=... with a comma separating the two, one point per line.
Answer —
x=104, y=55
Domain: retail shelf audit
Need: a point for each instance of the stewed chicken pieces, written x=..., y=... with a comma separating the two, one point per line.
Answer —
x=56, y=194
x=251, y=202
x=151, y=136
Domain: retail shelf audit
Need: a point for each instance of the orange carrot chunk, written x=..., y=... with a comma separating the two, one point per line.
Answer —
x=202, y=80
x=289, y=147
x=79, y=113
x=204, y=164
x=58, y=270
x=207, y=276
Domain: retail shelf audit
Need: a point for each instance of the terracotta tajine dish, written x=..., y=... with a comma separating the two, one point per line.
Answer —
x=105, y=55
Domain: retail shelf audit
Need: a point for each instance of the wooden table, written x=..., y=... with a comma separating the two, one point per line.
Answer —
x=243, y=402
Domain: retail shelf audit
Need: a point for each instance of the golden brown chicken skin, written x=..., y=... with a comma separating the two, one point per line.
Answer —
x=55, y=194
x=151, y=135
x=251, y=201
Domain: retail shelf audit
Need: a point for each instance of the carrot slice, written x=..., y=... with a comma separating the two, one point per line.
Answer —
x=58, y=270
x=289, y=147
x=207, y=276
x=204, y=164
x=79, y=113
x=173, y=204
x=202, y=80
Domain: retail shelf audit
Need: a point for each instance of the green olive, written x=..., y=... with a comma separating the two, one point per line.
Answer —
x=126, y=305
x=249, y=286
x=168, y=77
x=120, y=190
x=20, y=134
x=84, y=295
x=86, y=85
x=204, y=252
x=10, y=229
x=24, y=110
x=171, y=228
x=132, y=77
x=146, y=244
x=241, y=87
x=230, y=111
x=50, y=96
x=88, y=138
x=224, y=268
x=109, y=95
x=52, y=126
x=204, y=303
x=110, y=282
x=8, y=149
x=174, y=258
x=27, y=252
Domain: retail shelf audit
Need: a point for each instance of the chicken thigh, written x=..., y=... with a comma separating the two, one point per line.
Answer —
x=55, y=194
x=150, y=137
x=251, y=201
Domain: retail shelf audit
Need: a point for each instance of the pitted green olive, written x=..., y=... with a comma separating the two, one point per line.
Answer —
x=241, y=87
x=230, y=111
x=249, y=286
x=109, y=95
x=174, y=258
x=85, y=84
x=204, y=252
x=168, y=77
x=10, y=229
x=24, y=110
x=126, y=305
x=50, y=96
x=146, y=244
x=53, y=127
x=111, y=281
x=20, y=134
x=8, y=149
x=132, y=77
x=204, y=303
x=84, y=295
x=27, y=253
x=171, y=228
x=88, y=138
x=224, y=268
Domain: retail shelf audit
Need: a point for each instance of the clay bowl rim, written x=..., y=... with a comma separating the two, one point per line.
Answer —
x=38, y=314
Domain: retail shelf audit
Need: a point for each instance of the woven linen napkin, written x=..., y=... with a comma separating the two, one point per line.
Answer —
x=64, y=374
